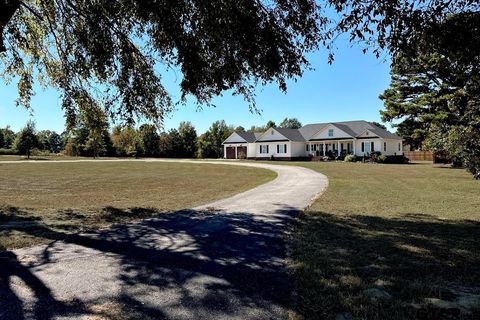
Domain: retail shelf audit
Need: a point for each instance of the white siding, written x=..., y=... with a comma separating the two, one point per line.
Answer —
x=272, y=149
x=298, y=149
x=337, y=133
x=271, y=134
x=378, y=145
x=251, y=150
x=235, y=138
x=392, y=147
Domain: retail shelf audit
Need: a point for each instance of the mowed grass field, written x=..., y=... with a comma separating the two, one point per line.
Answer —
x=389, y=242
x=41, y=202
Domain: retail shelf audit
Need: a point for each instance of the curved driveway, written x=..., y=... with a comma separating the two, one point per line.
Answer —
x=223, y=260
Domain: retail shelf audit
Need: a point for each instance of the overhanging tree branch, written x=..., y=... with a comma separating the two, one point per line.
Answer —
x=7, y=10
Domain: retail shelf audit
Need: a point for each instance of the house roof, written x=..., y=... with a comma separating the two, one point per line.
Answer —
x=291, y=134
x=250, y=137
x=309, y=130
x=353, y=128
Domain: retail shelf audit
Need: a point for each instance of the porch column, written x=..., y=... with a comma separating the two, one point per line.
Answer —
x=338, y=148
x=310, y=148
x=236, y=152
x=354, y=153
x=323, y=149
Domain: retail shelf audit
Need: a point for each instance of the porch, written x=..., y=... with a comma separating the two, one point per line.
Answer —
x=330, y=148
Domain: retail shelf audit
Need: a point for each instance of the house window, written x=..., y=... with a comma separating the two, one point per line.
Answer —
x=372, y=146
x=281, y=148
x=330, y=132
x=308, y=147
x=399, y=147
x=363, y=146
x=385, y=146
x=264, y=148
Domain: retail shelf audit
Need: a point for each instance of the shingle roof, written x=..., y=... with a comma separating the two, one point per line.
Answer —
x=310, y=129
x=382, y=133
x=250, y=137
x=258, y=135
x=353, y=128
x=291, y=134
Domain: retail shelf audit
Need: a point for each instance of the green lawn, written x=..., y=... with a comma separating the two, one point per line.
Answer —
x=52, y=157
x=411, y=231
x=44, y=201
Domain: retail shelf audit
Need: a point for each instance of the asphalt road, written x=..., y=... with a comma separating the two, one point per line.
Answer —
x=224, y=260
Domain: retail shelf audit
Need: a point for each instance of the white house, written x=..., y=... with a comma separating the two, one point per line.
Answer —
x=360, y=138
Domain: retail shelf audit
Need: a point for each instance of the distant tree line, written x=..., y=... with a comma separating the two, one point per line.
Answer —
x=92, y=137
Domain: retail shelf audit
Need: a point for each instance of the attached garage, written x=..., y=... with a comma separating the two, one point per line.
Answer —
x=240, y=145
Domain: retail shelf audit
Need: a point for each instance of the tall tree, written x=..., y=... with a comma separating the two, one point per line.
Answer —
x=239, y=129
x=174, y=146
x=210, y=143
x=188, y=136
x=26, y=139
x=8, y=137
x=80, y=46
x=291, y=123
x=150, y=139
x=436, y=85
x=270, y=124
x=126, y=141
x=50, y=141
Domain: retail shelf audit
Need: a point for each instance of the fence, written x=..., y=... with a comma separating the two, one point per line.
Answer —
x=419, y=155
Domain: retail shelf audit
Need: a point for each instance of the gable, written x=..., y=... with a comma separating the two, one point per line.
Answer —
x=272, y=135
x=368, y=134
x=324, y=133
x=235, y=138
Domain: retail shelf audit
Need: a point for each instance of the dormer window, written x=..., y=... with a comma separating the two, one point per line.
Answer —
x=271, y=132
x=366, y=133
x=330, y=132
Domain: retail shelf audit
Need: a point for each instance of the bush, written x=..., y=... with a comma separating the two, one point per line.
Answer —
x=457, y=162
x=381, y=158
x=6, y=151
x=401, y=159
x=41, y=153
x=350, y=158
x=71, y=149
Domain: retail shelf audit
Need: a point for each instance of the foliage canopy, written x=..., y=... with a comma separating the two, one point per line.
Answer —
x=110, y=52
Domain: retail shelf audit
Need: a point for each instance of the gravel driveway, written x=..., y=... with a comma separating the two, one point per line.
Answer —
x=223, y=260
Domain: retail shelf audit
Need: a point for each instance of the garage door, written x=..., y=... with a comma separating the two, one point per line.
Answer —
x=242, y=152
x=230, y=153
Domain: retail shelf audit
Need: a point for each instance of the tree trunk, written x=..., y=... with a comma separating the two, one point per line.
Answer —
x=7, y=10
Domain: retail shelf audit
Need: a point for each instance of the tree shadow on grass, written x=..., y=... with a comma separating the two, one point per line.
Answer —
x=182, y=265
x=411, y=258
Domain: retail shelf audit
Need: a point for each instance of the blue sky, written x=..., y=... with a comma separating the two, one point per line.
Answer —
x=346, y=90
